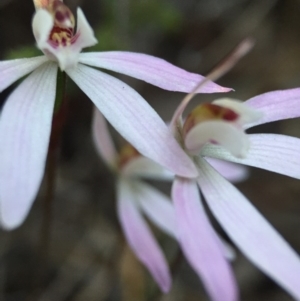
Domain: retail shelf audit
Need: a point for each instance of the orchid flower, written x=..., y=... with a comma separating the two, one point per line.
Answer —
x=134, y=198
x=217, y=130
x=25, y=122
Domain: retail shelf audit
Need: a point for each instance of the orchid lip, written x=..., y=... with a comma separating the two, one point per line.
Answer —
x=56, y=38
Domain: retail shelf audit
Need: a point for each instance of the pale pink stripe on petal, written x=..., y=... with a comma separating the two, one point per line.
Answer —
x=133, y=118
x=102, y=138
x=140, y=237
x=158, y=207
x=25, y=126
x=276, y=105
x=199, y=244
x=11, y=71
x=277, y=153
x=230, y=171
x=150, y=69
x=250, y=231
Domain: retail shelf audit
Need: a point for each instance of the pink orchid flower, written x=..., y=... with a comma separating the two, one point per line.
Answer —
x=216, y=130
x=26, y=117
x=135, y=198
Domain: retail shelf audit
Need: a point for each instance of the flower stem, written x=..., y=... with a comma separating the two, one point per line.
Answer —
x=60, y=112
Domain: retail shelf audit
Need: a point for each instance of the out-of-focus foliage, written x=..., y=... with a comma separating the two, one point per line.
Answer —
x=25, y=51
x=157, y=14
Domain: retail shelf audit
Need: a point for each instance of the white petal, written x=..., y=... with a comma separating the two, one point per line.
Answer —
x=157, y=206
x=42, y=24
x=86, y=37
x=146, y=168
x=246, y=113
x=277, y=153
x=25, y=125
x=150, y=69
x=140, y=237
x=133, y=118
x=199, y=244
x=223, y=133
x=11, y=71
x=103, y=139
x=230, y=171
x=250, y=231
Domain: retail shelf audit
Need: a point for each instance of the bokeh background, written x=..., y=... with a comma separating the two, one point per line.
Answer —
x=85, y=257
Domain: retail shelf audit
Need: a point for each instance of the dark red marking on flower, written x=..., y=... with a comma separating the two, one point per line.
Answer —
x=208, y=111
x=60, y=17
x=62, y=32
x=230, y=115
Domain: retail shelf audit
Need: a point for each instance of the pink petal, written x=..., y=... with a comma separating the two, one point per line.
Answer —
x=132, y=116
x=276, y=105
x=199, y=243
x=157, y=206
x=25, y=127
x=256, y=238
x=103, y=139
x=140, y=237
x=13, y=70
x=143, y=167
x=277, y=153
x=230, y=171
x=150, y=69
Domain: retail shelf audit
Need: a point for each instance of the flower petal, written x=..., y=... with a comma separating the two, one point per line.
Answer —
x=230, y=171
x=228, y=251
x=13, y=70
x=276, y=105
x=199, y=243
x=25, y=126
x=103, y=139
x=277, y=153
x=157, y=206
x=132, y=116
x=249, y=230
x=143, y=167
x=150, y=69
x=140, y=237
x=217, y=131
x=42, y=24
x=86, y=37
